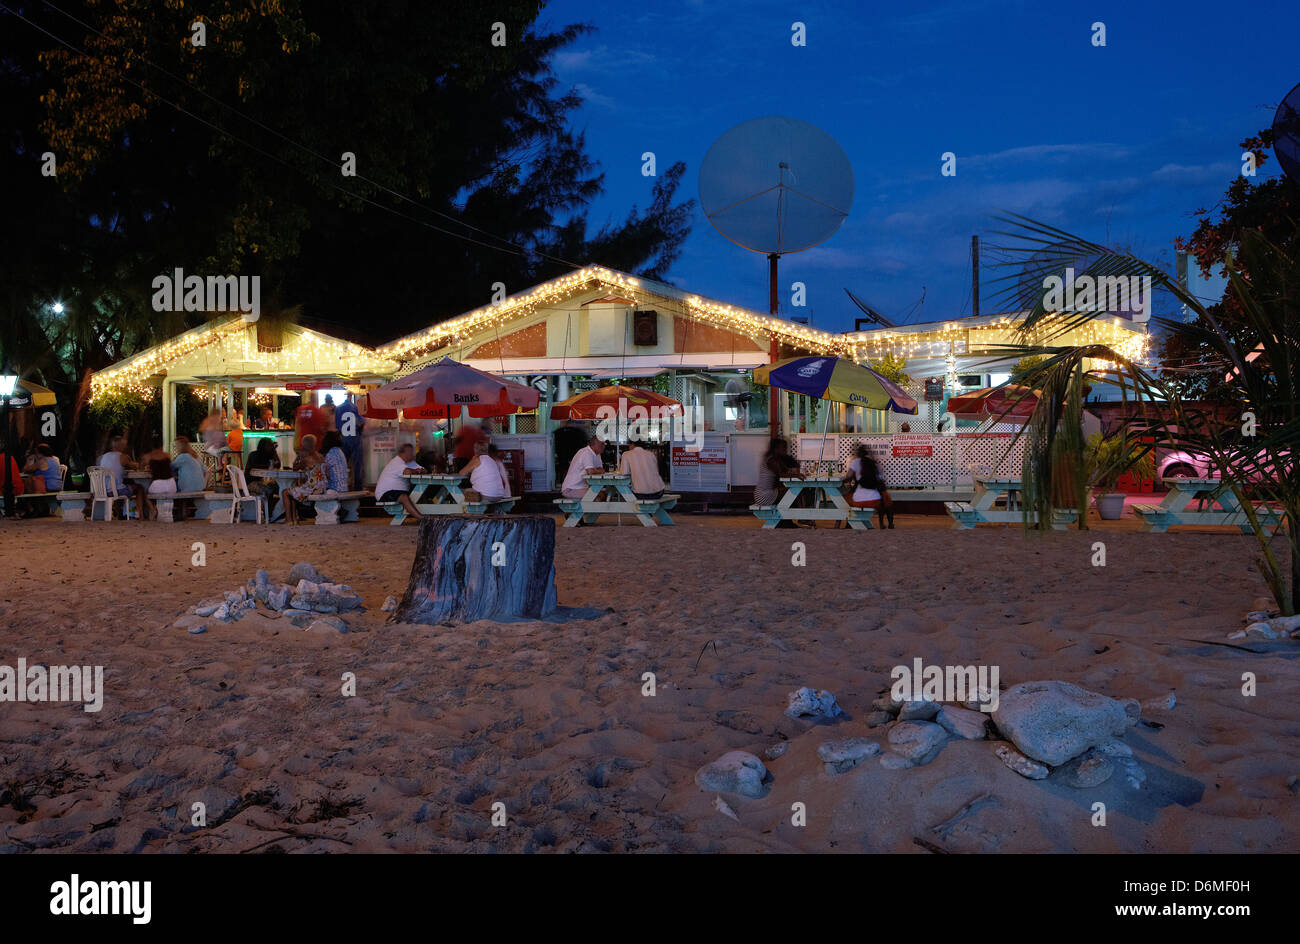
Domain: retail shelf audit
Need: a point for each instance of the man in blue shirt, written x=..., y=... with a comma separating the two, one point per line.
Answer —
x=348, y=421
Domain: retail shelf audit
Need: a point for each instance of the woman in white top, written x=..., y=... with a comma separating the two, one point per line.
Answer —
x=869, y=489
x=487, y=476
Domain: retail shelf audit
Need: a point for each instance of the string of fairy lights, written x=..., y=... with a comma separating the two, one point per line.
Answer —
x=232, y=349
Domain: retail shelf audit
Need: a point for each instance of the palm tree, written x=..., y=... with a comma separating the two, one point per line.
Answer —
x=1260, y=362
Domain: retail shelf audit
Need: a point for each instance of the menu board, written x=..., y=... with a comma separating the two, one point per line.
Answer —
x=913, y=446
x=702, y=471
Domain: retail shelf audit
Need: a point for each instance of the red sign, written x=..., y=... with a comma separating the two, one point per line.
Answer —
x=310, y=385
x=913, y=446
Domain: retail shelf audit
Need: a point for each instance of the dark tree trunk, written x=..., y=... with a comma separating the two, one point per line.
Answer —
x=472, y=567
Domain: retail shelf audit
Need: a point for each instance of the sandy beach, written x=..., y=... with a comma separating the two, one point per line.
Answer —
x=549, y=718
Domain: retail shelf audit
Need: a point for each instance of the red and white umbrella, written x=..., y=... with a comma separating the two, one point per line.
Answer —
x=439, y=391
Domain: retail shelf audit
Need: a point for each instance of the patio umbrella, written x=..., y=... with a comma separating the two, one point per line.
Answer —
x=587, y=405
x=439, y=391
x=29, y=393
x=838, y=379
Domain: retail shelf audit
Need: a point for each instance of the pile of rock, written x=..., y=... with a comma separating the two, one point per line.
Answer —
x=307, y=599
x=1037, y=729
x=1264, y=623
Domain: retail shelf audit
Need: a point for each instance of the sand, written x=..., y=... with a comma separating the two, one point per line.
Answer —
x=549, y=718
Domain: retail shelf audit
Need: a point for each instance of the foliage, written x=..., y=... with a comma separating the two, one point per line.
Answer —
x=1024, y=366
x=891, y=368
x=1106, y=460
x=1260, y=360
x=119, y=411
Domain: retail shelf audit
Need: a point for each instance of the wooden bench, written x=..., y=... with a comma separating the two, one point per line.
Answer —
x=330, y=504
x=499, y=506
x=166, y=502
x=72, y=505
x=651, y=512
x=771, y=516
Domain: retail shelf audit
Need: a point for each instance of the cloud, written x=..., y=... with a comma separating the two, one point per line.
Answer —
x=591, y=97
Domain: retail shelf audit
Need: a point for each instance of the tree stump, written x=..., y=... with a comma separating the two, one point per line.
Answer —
x=474, y=567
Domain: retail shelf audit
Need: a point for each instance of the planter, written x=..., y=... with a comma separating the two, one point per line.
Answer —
x=1110, y=506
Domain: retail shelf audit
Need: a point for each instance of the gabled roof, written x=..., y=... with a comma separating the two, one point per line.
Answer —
x=611, y=282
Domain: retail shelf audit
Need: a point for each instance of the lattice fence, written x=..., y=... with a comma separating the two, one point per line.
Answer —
x=953, y=460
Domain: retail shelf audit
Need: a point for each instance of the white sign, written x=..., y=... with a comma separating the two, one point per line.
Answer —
x=814, y=447
x=702, y=470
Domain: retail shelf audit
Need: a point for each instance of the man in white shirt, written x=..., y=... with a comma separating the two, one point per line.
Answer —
x=394, y=484
x=586, y=461
x=643, y=466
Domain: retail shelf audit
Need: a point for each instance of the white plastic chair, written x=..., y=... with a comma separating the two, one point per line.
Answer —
x=240, y=486
x=104, y=489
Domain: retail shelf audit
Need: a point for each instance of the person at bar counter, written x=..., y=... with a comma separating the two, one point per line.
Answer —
x=586, y=461
x=869, y=489
x=394, y=485
x=643, y=466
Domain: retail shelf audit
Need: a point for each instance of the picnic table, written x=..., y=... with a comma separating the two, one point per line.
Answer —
x=611, y=494
x=828, y=504
x=988, y=490
x=443, y=493
x=1175, y=508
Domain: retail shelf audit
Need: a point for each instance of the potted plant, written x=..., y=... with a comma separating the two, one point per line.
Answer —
x=1105, y=460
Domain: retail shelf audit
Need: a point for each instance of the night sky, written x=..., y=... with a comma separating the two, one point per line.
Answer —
x=1119, y=144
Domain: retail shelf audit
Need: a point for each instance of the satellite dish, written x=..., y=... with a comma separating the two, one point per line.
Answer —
x=776, y=185
x=1286, y=134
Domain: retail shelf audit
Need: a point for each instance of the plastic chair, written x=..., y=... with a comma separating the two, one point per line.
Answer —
x=104, y=489
x=240, y=486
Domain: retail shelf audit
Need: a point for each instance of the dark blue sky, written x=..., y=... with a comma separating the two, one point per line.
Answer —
x=1119, y=144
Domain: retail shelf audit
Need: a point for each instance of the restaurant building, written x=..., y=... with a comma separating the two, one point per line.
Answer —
x=596, y=325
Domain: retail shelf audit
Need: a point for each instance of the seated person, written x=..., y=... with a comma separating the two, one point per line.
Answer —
x=156, y=451
x=487, y=476
x=869, y=489
x=189, y=472
x=643, y=466
x=161, y=481
x=336, y=462
x=15, y=473
x=393, y=484
x=586, y=461
x=43, y=472
x=265, y=456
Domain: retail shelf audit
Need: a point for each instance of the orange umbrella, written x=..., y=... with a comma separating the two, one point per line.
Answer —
x=588, y=404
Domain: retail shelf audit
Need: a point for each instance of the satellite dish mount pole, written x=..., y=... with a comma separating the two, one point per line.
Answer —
x=773, y=306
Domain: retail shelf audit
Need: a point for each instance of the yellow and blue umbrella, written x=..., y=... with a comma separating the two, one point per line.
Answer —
x=838, y=379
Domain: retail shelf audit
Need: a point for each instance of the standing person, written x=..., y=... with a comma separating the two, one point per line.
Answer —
x=586, y=461
x=487, y=475
x=308, y=420
x=869, y=489
x=349, y=422
x=212, y=433
x=336, y=463
x=393, y=484
x=470, y=435
x=643, y=466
